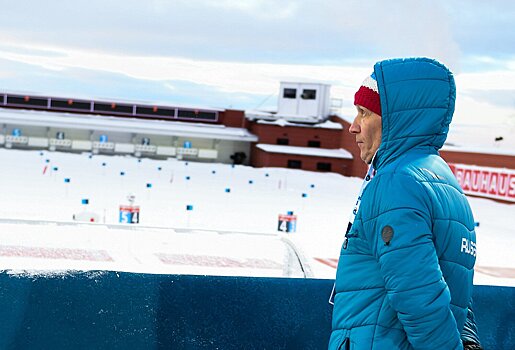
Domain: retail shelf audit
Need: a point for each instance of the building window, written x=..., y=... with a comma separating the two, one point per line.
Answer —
x=323, y=166
x=312, y=143
x=309, y=94
x=294, y=164
x=290, y=93
x=282, y=141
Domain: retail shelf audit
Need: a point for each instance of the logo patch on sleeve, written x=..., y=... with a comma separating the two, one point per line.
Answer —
x=387, y=234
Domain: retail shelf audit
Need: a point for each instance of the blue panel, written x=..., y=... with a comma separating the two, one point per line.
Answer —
x=114, y=310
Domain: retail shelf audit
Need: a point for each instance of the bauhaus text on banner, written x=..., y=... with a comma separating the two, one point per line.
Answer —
x=486, y=182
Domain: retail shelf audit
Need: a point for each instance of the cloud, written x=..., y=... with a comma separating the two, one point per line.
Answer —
x=226, y=76
x=228, y=47
x=284, y=31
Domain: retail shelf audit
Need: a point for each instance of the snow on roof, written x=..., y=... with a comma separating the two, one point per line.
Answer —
x=478, y=149
x=281, y=122
x=306, y=151
x=344, y=117
x=481, y=138
x=122, y=124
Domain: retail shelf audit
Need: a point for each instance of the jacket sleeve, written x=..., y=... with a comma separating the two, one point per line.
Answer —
x=399, y=232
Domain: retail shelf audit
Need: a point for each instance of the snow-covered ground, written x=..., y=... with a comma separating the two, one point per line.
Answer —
x=231, y=228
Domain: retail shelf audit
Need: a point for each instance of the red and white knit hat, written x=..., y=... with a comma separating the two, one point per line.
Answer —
x=368, y=95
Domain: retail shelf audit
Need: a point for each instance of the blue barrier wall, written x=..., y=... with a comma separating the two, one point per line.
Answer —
x=110, y=310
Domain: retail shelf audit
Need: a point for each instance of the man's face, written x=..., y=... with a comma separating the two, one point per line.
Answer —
x=367, y=129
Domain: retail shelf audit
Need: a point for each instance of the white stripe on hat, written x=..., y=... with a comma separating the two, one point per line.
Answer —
x=370, y=83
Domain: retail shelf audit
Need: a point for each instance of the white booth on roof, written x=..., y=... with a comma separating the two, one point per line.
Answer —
x=304, y=99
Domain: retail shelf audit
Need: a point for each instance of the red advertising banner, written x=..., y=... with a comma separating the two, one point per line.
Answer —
x=487, y=182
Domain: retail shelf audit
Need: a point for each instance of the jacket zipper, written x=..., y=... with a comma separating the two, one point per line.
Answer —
x=345, y=345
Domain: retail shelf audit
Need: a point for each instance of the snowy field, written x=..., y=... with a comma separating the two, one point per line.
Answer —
x=230, y=229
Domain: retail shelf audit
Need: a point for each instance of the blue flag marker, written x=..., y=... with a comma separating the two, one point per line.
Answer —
x=149, y=185
x=55, y=168
x=85, y=201
x=290, y=213
x=189, y=207
x=228, y=190
x=122, y=173
x=304, y=195
x=67, y=180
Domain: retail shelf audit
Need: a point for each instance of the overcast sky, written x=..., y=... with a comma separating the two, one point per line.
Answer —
x=225, y=53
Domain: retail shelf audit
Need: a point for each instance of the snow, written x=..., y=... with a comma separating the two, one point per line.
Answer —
x=481, y=138
x=306, y=151
x=226, y=233
x=283, y=122
x=478, y=149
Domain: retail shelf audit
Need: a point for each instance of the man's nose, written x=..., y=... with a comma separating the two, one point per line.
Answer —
x=354, y=127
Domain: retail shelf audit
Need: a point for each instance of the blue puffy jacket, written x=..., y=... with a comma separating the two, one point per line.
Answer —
x=409, y=290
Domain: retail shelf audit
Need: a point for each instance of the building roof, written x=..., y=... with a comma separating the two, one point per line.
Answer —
x=306, y=151
x=124, y=124
x=478, y=149
x=282, y=122
x=344, y=117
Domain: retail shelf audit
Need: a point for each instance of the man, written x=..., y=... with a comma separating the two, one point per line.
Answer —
x=404, y=278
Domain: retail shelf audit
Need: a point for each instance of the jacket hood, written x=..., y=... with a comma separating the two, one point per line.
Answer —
x=417, y=103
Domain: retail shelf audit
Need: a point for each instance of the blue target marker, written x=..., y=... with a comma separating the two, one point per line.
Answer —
x=188, y=178
x=189, y=207
x=312, y=186
x=251, y=182
x=227, y=190
x=122, y=173
x=67, y=180
x=55, y=168
x=149, y=185
x=304, y=195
